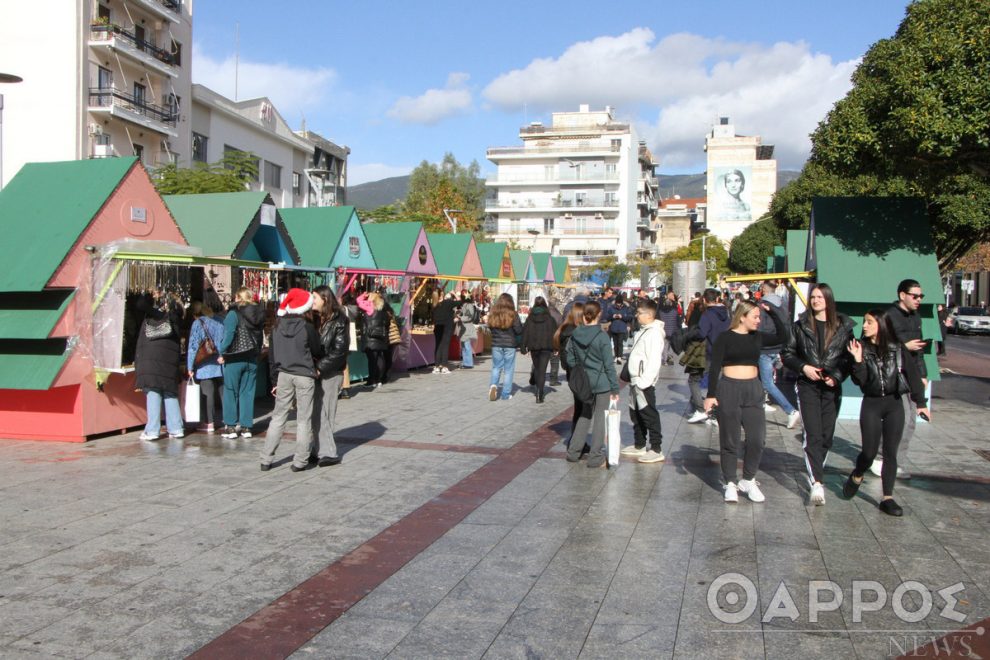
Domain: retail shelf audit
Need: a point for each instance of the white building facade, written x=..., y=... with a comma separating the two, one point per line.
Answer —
x=104, y=78
x=742, y=179
x=573, y=188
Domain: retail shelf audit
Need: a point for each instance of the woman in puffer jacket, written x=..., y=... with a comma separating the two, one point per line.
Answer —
x=537, y=339
x=506, y=335
x=335, y=341
x=376, y=346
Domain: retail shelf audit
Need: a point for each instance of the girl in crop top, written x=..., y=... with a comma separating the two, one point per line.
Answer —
x=737, y=394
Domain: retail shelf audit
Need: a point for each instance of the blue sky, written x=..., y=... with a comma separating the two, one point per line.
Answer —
x=400, y=82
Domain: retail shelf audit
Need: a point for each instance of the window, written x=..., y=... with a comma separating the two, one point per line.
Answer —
x=514, y=226
x=548, y=225
x=580, y=198
x=616, y=145
x=234, y=151
x=550, y=172
x=200, y=144
x=273, y=175
x=610, y=169
x=296, y=183
x=139, y=95
x=104, y=79
x=611, y=198
x=138, y=151
x=140, y=36
x=176, y=53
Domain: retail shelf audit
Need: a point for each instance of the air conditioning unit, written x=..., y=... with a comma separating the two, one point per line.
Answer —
x=96, y=129
x=102, y=151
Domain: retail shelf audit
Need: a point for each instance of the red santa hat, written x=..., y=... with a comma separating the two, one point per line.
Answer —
x=296, y=301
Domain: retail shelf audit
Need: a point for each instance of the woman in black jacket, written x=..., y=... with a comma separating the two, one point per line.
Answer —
x=885, y=373
x=376, y=324
x=816, y=351
x=537, y=339
x=157, y=364
x=335, y=341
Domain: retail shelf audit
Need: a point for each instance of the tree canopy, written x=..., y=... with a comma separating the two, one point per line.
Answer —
x=715, y=254
x=749, y=250
x=915, y=123
x=447, y=185
x=232, y=173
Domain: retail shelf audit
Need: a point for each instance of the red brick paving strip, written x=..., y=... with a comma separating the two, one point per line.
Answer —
x=283, y=626
x=971, y=642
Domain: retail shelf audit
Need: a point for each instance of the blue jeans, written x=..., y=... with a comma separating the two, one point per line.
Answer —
x=467, y=353
x=173, y=415
x=503, y=362
x=766, y=377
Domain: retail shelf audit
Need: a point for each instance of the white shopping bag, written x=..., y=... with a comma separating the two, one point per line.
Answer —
x=191, y=407
x=612, y=440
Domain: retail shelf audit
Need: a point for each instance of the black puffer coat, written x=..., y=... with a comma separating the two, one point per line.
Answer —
x=335, y=337
x=538, y=330
x=802, y=348
x=376, y=329
x=157, y=362
x=507, y=337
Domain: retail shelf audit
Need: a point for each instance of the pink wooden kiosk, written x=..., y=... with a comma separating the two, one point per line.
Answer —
x=53, y=218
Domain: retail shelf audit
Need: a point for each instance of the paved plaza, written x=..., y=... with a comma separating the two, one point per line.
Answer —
x=453, y=528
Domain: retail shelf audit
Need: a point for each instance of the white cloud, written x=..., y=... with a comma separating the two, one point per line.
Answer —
x=779, y=91
x=292, y=89
x=434, y=105
x=358, y=173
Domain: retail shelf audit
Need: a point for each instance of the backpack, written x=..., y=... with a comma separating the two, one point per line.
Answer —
x=577, y=379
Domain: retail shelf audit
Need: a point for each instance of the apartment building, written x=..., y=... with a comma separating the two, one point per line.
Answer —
x=103, y=78
x=577, y=188
x=742, y=179
x=327, y=171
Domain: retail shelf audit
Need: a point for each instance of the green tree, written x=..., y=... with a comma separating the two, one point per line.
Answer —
x=750, y=249
x=447, y=185
x=232, y=173
x=715, y=255
x=915, y=123
x=394, y=213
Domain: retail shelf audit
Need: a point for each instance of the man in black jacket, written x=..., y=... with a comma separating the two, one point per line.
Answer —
x=906, y=320
x=292, y=357
x=443, y=331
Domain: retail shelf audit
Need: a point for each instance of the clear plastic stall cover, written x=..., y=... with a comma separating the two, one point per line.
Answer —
x=103, y=295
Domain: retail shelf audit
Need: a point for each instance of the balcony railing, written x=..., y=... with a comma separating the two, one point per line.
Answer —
x=108, y=97
x=598, y=230
x=103, y=32
x=508, y=151
x=552, y=204
x=587, y=128
x=604, y=176
x=174, y=5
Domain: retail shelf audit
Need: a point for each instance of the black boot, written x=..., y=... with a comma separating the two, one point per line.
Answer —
x=540, y=395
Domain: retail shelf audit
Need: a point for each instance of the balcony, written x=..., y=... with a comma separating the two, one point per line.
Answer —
x=538, y=204
x=543, y=151
x=170, y=10
x=136, y=110
x=570, y=231
x=607, y=177
x=116, y=38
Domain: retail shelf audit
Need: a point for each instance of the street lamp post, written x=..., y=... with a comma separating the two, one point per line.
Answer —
x=451, y=220
x=4, y=78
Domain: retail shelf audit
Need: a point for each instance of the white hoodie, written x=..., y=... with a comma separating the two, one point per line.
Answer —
x=645, y=356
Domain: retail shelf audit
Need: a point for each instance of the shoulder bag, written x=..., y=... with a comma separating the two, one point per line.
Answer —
x=244, y=341
x=157, y=328
x=207, y=348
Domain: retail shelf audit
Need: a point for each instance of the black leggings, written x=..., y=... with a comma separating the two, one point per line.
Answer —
x=740, y=407
x=618, y=339
x=539, y=373
x=881, y=419
x=819, y=406
x=377, y=365
x=442, y=334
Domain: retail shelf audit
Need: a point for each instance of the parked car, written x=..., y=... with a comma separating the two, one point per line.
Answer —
x=970, y=320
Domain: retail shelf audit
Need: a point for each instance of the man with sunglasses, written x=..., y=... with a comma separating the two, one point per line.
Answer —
x=906, y=320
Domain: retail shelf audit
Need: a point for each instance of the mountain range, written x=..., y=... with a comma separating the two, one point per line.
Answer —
x=371, y=195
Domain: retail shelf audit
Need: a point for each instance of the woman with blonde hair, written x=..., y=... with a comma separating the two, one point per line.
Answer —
x=209, y=372
x=243, y=328
x=506, y=334
x=377, y=318
x=734, y=386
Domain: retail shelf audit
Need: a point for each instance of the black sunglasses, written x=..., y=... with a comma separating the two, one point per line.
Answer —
x=917, y=296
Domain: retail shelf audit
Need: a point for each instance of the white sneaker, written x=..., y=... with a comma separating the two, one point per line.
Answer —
x=768, y=408
x=652, y=457
x=246, y=434
x=877, y=467
x=731, y=496
x=751, y=489
x=817, y=494
x=436, y=370
x=699, y=416
x=903, y=474
x=711, y=421
x=177, y=436
x=793, y=419
x=147, y=436
x=632, y=450
x=444, y=370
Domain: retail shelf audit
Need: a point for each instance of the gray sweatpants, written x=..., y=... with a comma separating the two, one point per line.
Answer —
x=300, y=388
x=592, y=415
x=324, y=413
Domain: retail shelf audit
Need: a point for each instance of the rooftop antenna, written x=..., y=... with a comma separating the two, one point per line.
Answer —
x=237, y=54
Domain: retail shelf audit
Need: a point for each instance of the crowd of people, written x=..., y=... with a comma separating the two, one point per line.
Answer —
x=737, y=350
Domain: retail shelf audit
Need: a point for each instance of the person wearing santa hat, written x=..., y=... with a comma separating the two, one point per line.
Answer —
x=292, y=356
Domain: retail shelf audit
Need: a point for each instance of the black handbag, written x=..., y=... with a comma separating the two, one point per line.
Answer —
x=244, y=342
